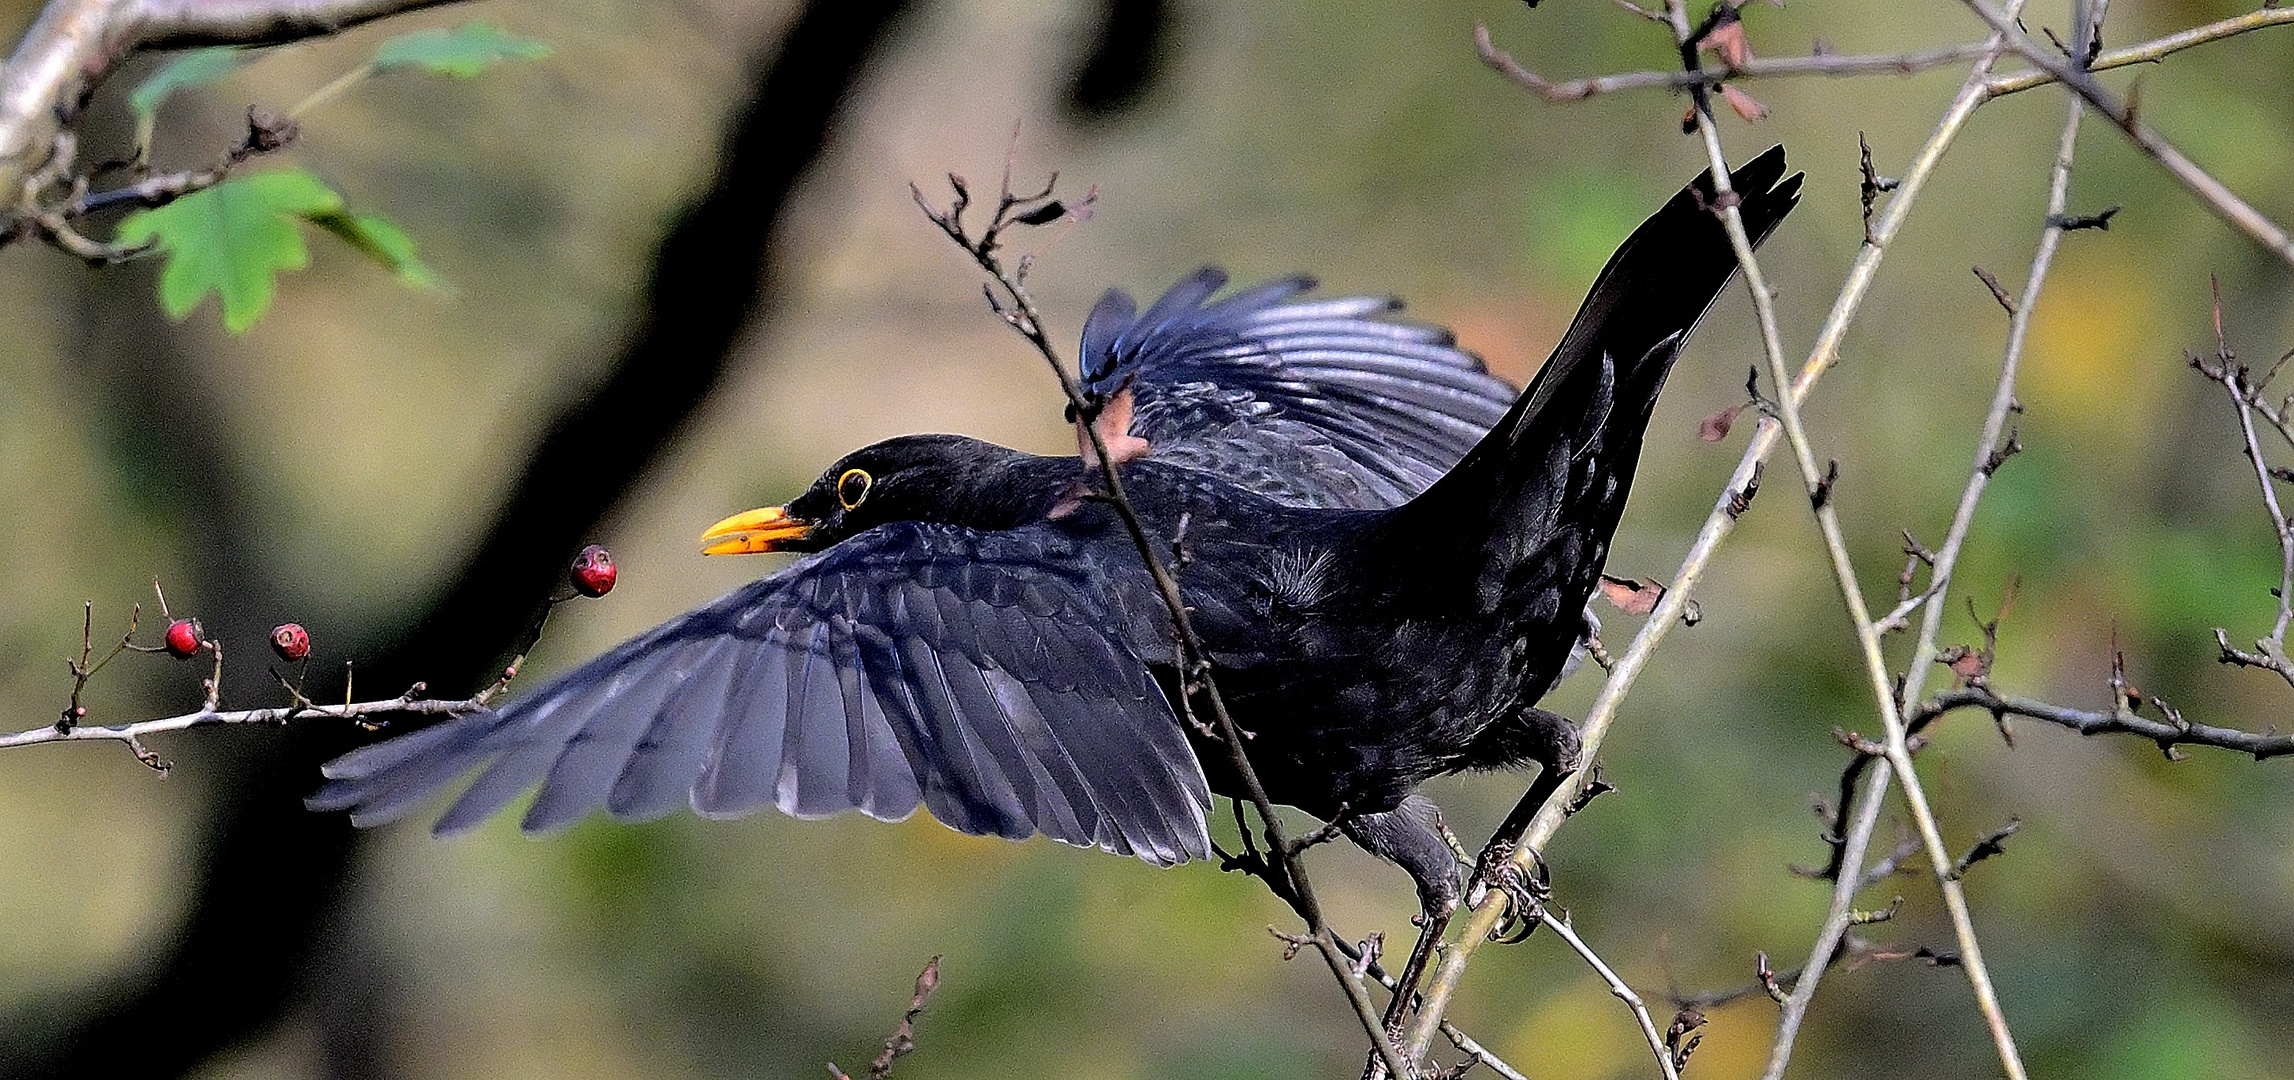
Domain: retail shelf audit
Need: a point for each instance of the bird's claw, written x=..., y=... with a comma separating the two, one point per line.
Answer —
x=1526, y=891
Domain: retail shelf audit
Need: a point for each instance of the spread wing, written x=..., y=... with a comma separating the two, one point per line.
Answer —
x=1313, y=403
x=975, y=672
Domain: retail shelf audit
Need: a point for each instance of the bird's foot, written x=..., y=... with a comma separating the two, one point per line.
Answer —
x=1526, y=890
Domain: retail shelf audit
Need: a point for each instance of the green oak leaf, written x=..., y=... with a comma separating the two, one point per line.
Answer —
x=462, y=53
x=195, y=68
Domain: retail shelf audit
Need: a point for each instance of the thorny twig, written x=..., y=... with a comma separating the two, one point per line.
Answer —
x=1915, y=556
x=1873, y=186
x=2245, y=392
x=1840, y=65
x=1998, y=291
x=1778, y=986
x=1990, y=845
x=2172, y=731
x=410, y=702
x=1475, y=1051
x=85, y=667
x=1822, y=64
x=1866, y=629
x=1981, y=86
x=2175, y=730
x=2152, y=51
x=1850, y=851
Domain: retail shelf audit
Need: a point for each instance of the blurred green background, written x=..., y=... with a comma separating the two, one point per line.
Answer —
x=2141, y=924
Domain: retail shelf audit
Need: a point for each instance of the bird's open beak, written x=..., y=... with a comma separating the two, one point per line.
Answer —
x=768, y=529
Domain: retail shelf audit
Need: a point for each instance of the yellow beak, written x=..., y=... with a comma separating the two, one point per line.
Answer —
x=758, y=530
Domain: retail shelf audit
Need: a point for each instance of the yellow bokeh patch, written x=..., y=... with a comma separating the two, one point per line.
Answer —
x=2092, y=359
x=1579, y=1032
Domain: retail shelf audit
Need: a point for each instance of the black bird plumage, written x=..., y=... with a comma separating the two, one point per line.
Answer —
x=1389, y=556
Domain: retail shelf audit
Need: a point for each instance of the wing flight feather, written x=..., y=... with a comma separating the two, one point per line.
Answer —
x=981, y=674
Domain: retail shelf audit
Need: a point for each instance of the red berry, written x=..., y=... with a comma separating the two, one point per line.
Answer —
x=593, y=571
x=183, y=638
x=290, y=641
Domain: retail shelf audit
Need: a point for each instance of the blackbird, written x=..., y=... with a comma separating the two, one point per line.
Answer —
x=1387, y=552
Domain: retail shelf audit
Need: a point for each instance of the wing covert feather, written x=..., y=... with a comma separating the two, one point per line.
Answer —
x=1312, y=403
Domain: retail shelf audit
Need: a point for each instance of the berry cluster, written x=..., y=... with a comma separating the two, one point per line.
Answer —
x=592, y=574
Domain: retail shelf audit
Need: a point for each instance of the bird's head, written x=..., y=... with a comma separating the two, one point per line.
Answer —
x=944, y=478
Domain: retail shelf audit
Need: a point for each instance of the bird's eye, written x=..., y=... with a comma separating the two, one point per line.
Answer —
x=852, y=487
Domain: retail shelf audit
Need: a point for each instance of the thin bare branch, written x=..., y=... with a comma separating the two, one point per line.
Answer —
x=1851, y=591
x=2168, y=733
x=75, y=44
x=903, y=1039
x=1457, y=1036
x=1481, y=1055
x=2152, y=51
x=410, y=702
x=2217, y=197
x=1906, y=63
x=1617, y=986
x=1847, y=66
x=1942, y=563
x=2246, y=400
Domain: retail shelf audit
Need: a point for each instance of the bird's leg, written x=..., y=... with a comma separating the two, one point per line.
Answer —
x=1410, y=836
x=1555, y=746
x=1552, y=742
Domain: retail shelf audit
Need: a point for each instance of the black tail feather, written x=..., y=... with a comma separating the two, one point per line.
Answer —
x=1523, y=523
x=1643, y=306
x=1661, y=282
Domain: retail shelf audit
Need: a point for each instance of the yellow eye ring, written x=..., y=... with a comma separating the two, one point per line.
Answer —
x=852, y=487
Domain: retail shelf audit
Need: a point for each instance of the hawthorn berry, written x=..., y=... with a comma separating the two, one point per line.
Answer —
x=593, y=573
x=183, y=638
x=290, y=641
